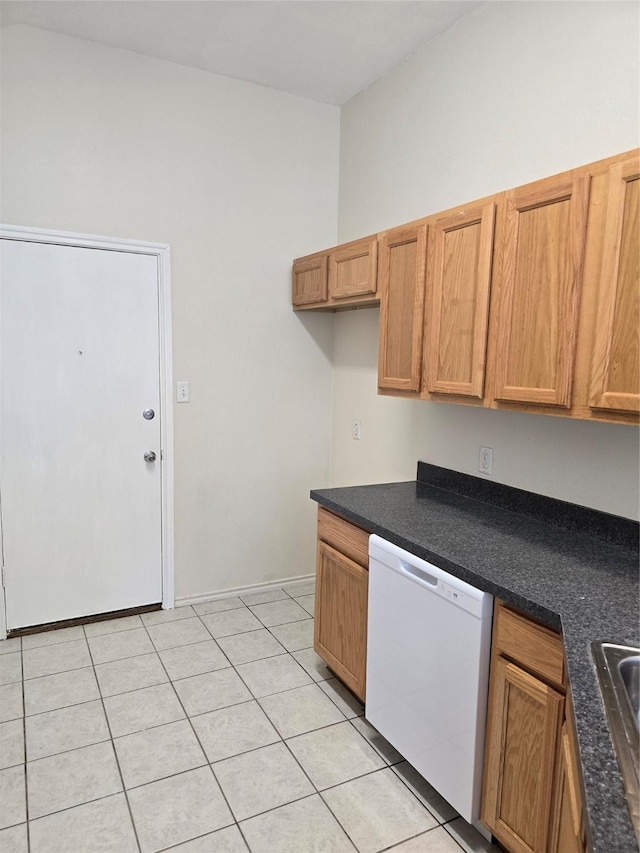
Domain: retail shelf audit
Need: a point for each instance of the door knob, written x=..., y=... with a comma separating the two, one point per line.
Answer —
x=148, y=414
x=150, y=456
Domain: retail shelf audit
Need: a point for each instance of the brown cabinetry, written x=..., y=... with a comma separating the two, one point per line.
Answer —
x=524, y=736
x=310, y=280
x=401, y=279
x=568, y=826
x=457, y=307
x=527, y=300
x=615, y=367
x=539, y=282
x=531, y=797
x=342, y=584
x=353, y=271
x=343, y=277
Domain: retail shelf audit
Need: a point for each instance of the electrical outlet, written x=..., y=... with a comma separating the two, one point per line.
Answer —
x=356, y=429
x=485, y=460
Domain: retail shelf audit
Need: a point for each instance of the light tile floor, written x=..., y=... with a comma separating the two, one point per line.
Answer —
x=205, y=729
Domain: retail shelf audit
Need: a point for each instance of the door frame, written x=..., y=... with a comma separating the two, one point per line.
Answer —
x=162, y=253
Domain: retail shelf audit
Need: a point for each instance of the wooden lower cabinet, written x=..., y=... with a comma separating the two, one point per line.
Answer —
x=568, y=827
x=531, y=799
x=523, y=735
x=342, y=587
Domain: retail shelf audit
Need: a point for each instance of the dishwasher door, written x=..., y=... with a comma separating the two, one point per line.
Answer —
x=429, y=639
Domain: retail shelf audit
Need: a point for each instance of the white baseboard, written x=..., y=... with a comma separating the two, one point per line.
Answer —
x=183, y=600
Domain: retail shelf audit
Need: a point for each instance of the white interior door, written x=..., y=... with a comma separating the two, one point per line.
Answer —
x=80, y=362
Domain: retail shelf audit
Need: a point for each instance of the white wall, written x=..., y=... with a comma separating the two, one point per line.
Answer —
x=511, y=93
x=239, y=179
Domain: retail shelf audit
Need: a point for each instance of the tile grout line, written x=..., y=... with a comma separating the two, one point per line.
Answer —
x=113, y=746
x=466, y=848
x=204, y=835
x=73, y=748
x=410, y=789
x=24, y=732
x=363, y=776
x=375, y=748
x=392, y=847
x=204, y=752
x=282, y=740
x=319, y=794
x=234, y=666
x=288, y=748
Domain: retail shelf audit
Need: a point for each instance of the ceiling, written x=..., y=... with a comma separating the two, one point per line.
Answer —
x=326, y=50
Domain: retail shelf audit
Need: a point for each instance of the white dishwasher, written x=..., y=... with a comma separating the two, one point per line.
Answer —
x=429, y=638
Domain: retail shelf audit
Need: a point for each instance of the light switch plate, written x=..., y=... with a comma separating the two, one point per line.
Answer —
x=183, y=392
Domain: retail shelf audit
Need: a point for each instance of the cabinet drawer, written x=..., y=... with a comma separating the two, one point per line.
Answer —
x=537, y=648
x=344, y=536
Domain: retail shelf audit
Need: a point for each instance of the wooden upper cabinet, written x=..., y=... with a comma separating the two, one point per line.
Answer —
x=529, y=299
x=458, y=281
x=539, y=289
x=341, y=277
x=310, y=280
x=615, y=376
x=401, y=282
x=352, y=270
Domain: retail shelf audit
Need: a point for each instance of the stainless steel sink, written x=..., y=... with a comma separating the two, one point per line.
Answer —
x=630, y=672
x=618, y=669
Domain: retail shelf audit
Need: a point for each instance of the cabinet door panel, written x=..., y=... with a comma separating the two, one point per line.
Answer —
x=522, y=737
x=541, y=273
x=310, y=280
x=615, y=371
x=459, y=275
x=401, y=275
x=567, y=828
x=352, y=270
x=341, y=616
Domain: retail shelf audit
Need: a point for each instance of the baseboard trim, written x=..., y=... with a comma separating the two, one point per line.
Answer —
x=183, y=600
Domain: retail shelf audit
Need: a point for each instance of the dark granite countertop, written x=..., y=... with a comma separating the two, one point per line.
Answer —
x=572, y=568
